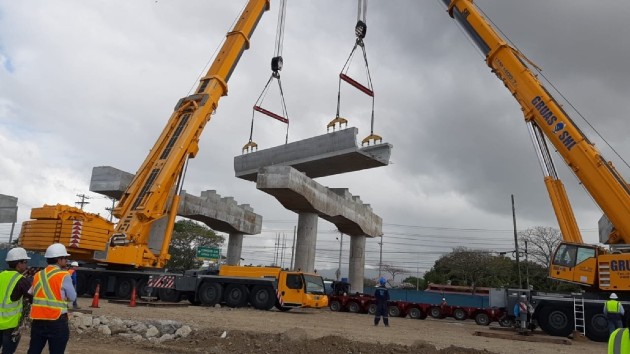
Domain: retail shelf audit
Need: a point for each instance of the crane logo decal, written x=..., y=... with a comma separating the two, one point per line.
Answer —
x=559, y=129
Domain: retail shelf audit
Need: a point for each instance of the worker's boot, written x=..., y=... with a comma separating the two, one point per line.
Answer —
x=377, y=320
x=386, y=321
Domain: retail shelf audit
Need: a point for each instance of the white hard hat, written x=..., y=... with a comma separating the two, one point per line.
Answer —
x=17, y=254
x=56, y=250
x=74, y=264
x=613, y=296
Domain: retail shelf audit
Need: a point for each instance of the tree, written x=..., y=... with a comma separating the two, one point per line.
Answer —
x=187, y=236
x=369, y=283
x=415, y=282
x=388, y=268
x=473, y=268
x=541, y=242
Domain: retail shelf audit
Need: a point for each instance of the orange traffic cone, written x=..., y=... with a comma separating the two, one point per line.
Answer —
x=96, y=296
x=132, y=302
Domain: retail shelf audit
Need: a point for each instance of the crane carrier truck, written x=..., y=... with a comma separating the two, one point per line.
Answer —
x=123, y=256
x=599, y=270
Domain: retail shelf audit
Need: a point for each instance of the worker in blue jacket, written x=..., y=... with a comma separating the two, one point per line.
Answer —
x=382, y=296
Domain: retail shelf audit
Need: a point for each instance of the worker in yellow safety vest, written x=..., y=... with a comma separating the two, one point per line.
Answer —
x=619, y=342
x=614, y=312
x=13, y=290
x=52, y=290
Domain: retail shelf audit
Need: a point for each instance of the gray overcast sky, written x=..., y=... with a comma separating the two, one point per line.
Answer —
x=90, y=83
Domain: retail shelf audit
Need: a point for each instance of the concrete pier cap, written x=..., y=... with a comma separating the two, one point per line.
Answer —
x=301, y=194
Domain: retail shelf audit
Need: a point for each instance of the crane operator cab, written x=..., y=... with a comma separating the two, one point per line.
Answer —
x=575, y=263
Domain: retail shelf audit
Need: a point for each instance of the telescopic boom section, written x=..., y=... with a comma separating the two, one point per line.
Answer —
x=153, y=194
x=598, y=176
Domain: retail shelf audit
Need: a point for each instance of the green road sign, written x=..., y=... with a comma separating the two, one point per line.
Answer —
x=208, y=252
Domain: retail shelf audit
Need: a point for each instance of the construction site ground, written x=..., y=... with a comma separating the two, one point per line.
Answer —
x=306, y=331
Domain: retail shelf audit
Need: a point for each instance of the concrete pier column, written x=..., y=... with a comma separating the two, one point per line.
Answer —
x=305, y=242
x=356, y=268
x=235, y=246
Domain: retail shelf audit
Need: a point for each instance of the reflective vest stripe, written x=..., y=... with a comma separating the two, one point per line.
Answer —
x=617, y=342
x=45, y=277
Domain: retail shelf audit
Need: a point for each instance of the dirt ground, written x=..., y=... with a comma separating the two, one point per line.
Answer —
x=304, y=331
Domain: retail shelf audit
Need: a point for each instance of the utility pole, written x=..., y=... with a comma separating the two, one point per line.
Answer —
x=82, y=202
x=111, y=210
x=518, y=263
x=380, y=259
x=526, y=266
x=284, y=243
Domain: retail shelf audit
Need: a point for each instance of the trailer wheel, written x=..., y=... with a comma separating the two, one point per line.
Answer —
x=556, y=321
x=596, y=326
x=169, y=295
x=335, y=306
x=415, y=313
x=210, y=293
x=372, y=309
x=460, y=314
x=353, y=307
x=124, y=287
x=506, y=321
x=482, y=319
x=236, y=295
x=394, y=311
x=435, y=312
x=262, y=297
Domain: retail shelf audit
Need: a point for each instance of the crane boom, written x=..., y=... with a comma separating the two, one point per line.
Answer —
x=549, y=122
x=148, y=207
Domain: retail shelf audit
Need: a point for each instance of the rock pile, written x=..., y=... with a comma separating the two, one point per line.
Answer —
x=156, y=331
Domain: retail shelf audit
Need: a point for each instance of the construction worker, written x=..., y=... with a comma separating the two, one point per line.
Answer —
x=521, y=311
x=52, y=290
x=382, y=296
x=614, y=313
x=619, y=341
x=73, y=274
x=13, y=292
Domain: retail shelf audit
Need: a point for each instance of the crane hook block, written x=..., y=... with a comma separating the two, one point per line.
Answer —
x=360, y=29
x=276, y=64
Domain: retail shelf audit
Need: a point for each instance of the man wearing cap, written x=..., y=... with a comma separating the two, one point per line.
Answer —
x=382, y=296
x=613, y=310
x=521, y=311
x=52, y=290
x=73, y=275
x=13, y=292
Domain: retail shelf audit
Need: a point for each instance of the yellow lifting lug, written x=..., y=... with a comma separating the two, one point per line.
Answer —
x=334, y=122
x=373, y=137
x=250, y=146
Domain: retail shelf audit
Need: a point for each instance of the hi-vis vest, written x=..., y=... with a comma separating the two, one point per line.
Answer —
x=47, y=301
x=619, y=342
x=612, y=306
x=10, y=311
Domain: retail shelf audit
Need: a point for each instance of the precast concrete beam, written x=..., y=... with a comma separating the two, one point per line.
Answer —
x=219, y=213
x=299, y=193
x=319, y=156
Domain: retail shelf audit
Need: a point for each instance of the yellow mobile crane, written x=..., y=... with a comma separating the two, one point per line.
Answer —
x=599, y=270
x=148, y=208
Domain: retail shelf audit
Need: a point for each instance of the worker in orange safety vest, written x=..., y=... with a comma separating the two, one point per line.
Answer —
x=52, y=289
